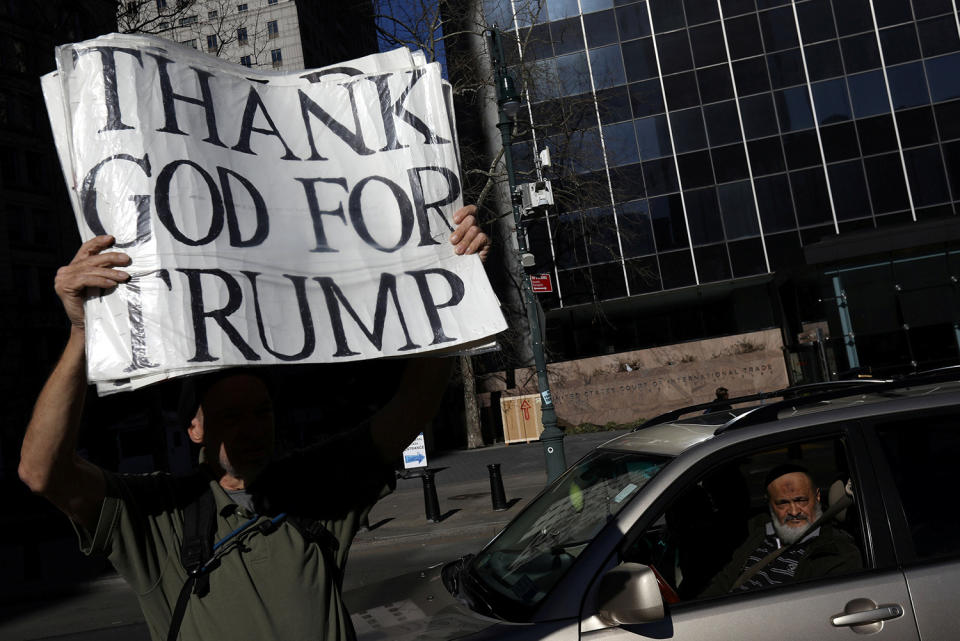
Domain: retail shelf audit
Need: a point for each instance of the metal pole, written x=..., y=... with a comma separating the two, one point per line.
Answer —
x=821, y=350
x=430, y=502
x=552, y=436
x=498, y=497
x=846, y=324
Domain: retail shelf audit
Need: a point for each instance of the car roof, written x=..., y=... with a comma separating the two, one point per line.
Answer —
x=668, y=439
x=673, y=433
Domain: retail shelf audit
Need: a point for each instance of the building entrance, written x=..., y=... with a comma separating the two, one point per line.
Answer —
x=897, y=315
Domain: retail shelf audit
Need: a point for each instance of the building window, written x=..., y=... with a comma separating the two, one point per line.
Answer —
x=161, y=5
x=271, y=1
x=212, y=42
x=272, y=29
x=189, y=43
x=245, y=61
x=188, y=20
x=164, y=26
x=242, y=7
x=212, y=14
x=276, y=57
x=242, y=35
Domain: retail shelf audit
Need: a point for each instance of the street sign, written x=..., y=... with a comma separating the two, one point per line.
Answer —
x=541, y=283
x=416, y=453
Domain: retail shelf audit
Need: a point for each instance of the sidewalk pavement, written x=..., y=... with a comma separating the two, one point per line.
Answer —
x=463, y=490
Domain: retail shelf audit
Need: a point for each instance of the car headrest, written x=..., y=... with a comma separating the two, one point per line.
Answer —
x=837, y=489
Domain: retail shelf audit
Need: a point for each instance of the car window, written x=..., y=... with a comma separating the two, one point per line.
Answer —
x=922, y=455
x=721, y=524
x=526, y=560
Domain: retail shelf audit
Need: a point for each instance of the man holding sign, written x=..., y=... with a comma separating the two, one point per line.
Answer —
x=238, y=217
x=282, y=526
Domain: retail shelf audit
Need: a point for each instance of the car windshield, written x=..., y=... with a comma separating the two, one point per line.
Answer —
x=521, y=565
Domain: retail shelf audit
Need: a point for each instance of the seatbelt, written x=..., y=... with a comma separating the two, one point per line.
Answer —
x=842, y=503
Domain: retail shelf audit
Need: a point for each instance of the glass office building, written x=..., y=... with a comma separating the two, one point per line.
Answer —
x=761, y=163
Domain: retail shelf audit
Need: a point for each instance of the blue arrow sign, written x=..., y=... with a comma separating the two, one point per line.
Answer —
x=413, y=458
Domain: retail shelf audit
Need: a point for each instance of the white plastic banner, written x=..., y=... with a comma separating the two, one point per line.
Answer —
x=270, y=217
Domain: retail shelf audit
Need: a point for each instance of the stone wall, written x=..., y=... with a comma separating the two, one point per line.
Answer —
x=641, y=384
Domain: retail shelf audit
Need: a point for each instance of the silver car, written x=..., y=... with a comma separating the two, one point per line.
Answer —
x=626, y=542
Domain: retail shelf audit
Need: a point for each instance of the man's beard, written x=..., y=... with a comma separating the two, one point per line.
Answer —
x=789, y=533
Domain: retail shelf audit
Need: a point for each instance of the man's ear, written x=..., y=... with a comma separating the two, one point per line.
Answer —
x=195, y=430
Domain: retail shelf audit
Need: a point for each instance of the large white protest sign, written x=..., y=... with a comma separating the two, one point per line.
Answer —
x=270, y=218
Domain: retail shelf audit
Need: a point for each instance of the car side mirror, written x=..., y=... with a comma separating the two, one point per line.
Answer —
x=629, y=594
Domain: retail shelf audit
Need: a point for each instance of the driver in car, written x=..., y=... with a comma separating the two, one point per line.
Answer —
x=794, y=504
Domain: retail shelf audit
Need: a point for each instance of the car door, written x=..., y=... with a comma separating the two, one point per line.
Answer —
x=873, y=600
x=916, y=459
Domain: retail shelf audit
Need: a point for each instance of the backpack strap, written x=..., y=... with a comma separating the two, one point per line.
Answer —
x=313, y=531
x=199, y=529
x=196, y=548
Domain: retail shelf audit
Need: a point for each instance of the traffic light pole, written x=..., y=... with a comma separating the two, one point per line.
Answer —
x=552, y=436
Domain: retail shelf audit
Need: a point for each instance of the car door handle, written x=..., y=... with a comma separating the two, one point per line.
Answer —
x=875, y=615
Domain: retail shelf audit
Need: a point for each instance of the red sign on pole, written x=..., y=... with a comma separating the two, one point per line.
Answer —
x=541, y=283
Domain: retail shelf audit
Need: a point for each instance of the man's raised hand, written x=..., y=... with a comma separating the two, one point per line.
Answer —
x=468, y=238
x=89, y=268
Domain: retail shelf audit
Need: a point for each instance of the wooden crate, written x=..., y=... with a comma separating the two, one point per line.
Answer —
x=522, y=418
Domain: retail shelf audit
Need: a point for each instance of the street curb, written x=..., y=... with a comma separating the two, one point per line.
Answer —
x=465, y=531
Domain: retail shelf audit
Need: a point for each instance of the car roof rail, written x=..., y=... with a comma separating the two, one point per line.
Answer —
x=673, y=415
x=771, y=411
x=795, y=391
x=787, y=392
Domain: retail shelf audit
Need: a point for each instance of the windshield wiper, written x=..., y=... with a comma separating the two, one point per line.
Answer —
x=473, y=591
x=561, y=548
x=451, y=574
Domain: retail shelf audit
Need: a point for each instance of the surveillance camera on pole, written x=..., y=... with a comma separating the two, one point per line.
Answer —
x=544, y=156
x=536, y=196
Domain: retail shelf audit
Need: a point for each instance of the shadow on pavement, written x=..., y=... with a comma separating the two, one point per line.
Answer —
x=380, y=523
x=511, y=503
x=446, y=515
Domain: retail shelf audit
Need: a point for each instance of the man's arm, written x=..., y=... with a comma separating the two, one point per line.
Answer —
x=49, y=464
x=424, y=380
x=416, y=401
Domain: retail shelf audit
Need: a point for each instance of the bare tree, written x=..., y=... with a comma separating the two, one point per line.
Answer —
x=223, y=28
x=451, y=31
x=151, y=16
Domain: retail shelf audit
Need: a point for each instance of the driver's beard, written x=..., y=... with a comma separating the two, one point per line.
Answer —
x=791, y=533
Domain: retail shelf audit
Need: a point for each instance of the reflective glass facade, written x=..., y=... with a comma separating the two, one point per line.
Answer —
x=721, y=137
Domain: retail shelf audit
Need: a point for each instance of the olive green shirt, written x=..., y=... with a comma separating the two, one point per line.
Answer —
x=274, y=586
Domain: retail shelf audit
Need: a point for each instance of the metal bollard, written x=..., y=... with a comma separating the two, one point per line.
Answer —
x=430, y=502
x=497, y=496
